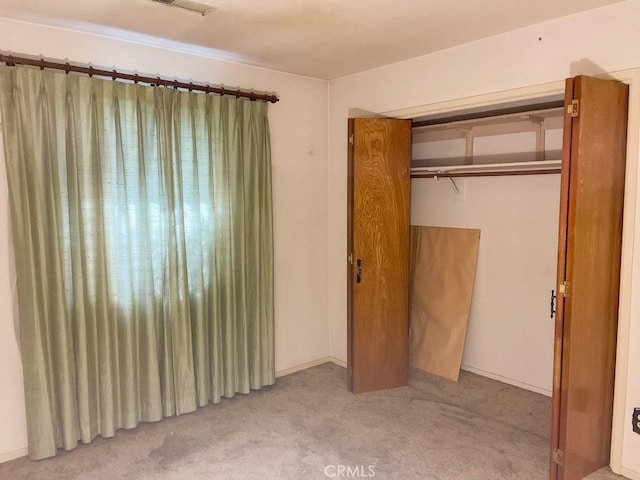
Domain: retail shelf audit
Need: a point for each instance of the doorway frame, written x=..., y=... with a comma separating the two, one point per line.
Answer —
x=629, y=273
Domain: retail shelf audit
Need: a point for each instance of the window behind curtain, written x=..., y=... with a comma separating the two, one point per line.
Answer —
x=142, y=221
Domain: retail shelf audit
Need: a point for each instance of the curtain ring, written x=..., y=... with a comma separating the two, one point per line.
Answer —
x=41, y=63
x=238, y=93
x=208, y=89
x=135, y=79
x=114, y=75
x=222, y=91
x=191, y=86
x=90, y=71
x=175, y=84
x=67, y=68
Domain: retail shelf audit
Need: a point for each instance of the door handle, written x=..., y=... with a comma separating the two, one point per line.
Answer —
x=553, y=303
x=359, y=270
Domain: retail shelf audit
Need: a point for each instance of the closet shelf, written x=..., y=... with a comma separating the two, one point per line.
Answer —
x=488, y=170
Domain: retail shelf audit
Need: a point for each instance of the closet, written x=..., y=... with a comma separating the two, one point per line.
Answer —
x=498, y=171
x=586, y=235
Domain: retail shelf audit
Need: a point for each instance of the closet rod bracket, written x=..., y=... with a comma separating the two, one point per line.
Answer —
x=454, y=185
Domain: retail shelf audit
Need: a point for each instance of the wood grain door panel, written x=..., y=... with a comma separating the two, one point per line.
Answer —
x=378, y=285
x=592, y=187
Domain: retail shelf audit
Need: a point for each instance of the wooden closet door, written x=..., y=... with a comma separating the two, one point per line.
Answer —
x=378, y=247
x=592, y=186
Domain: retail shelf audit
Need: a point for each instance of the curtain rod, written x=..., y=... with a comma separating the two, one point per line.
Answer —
x=11, y=60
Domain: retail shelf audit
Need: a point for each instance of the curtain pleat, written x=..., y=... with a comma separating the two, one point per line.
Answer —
x=143, y=233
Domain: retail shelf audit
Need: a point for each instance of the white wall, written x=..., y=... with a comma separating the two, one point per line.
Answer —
x=299, y=147
x=606, y=39
x=510, y=333
x=310, y=194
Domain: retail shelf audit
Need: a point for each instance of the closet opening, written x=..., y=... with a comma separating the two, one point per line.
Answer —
x=537, y=231
x=534, y=231
x=496, y=169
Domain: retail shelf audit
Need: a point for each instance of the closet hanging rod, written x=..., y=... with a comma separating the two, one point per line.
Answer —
x=67, y=67
x=539, y=167
x=496, y=173
x=534, y=164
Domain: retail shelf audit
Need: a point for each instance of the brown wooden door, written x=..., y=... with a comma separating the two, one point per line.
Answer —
x=592, y=184
x=378, y=247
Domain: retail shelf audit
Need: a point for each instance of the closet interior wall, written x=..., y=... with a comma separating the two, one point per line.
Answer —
x=510, y=332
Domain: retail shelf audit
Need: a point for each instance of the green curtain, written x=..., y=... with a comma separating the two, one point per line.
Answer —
x=142, y=226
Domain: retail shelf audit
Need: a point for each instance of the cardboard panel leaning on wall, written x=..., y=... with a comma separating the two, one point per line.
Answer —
x=443, y=270
x=510, y=334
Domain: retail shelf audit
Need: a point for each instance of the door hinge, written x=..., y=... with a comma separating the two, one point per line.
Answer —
x=563, y=289
x=351, y=258
x=573, y=109
x=351, y=139
x=557, y=456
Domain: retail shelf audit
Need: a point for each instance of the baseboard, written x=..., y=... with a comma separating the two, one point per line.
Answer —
x=507, y=380
x=303, y=366
x=313, y=363
x=338, y=362
x=632, y=474
x=7, y=456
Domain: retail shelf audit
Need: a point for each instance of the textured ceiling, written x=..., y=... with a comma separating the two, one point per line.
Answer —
x=318, y=38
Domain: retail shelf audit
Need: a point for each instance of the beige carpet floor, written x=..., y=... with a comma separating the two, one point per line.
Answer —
x=308, y=426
